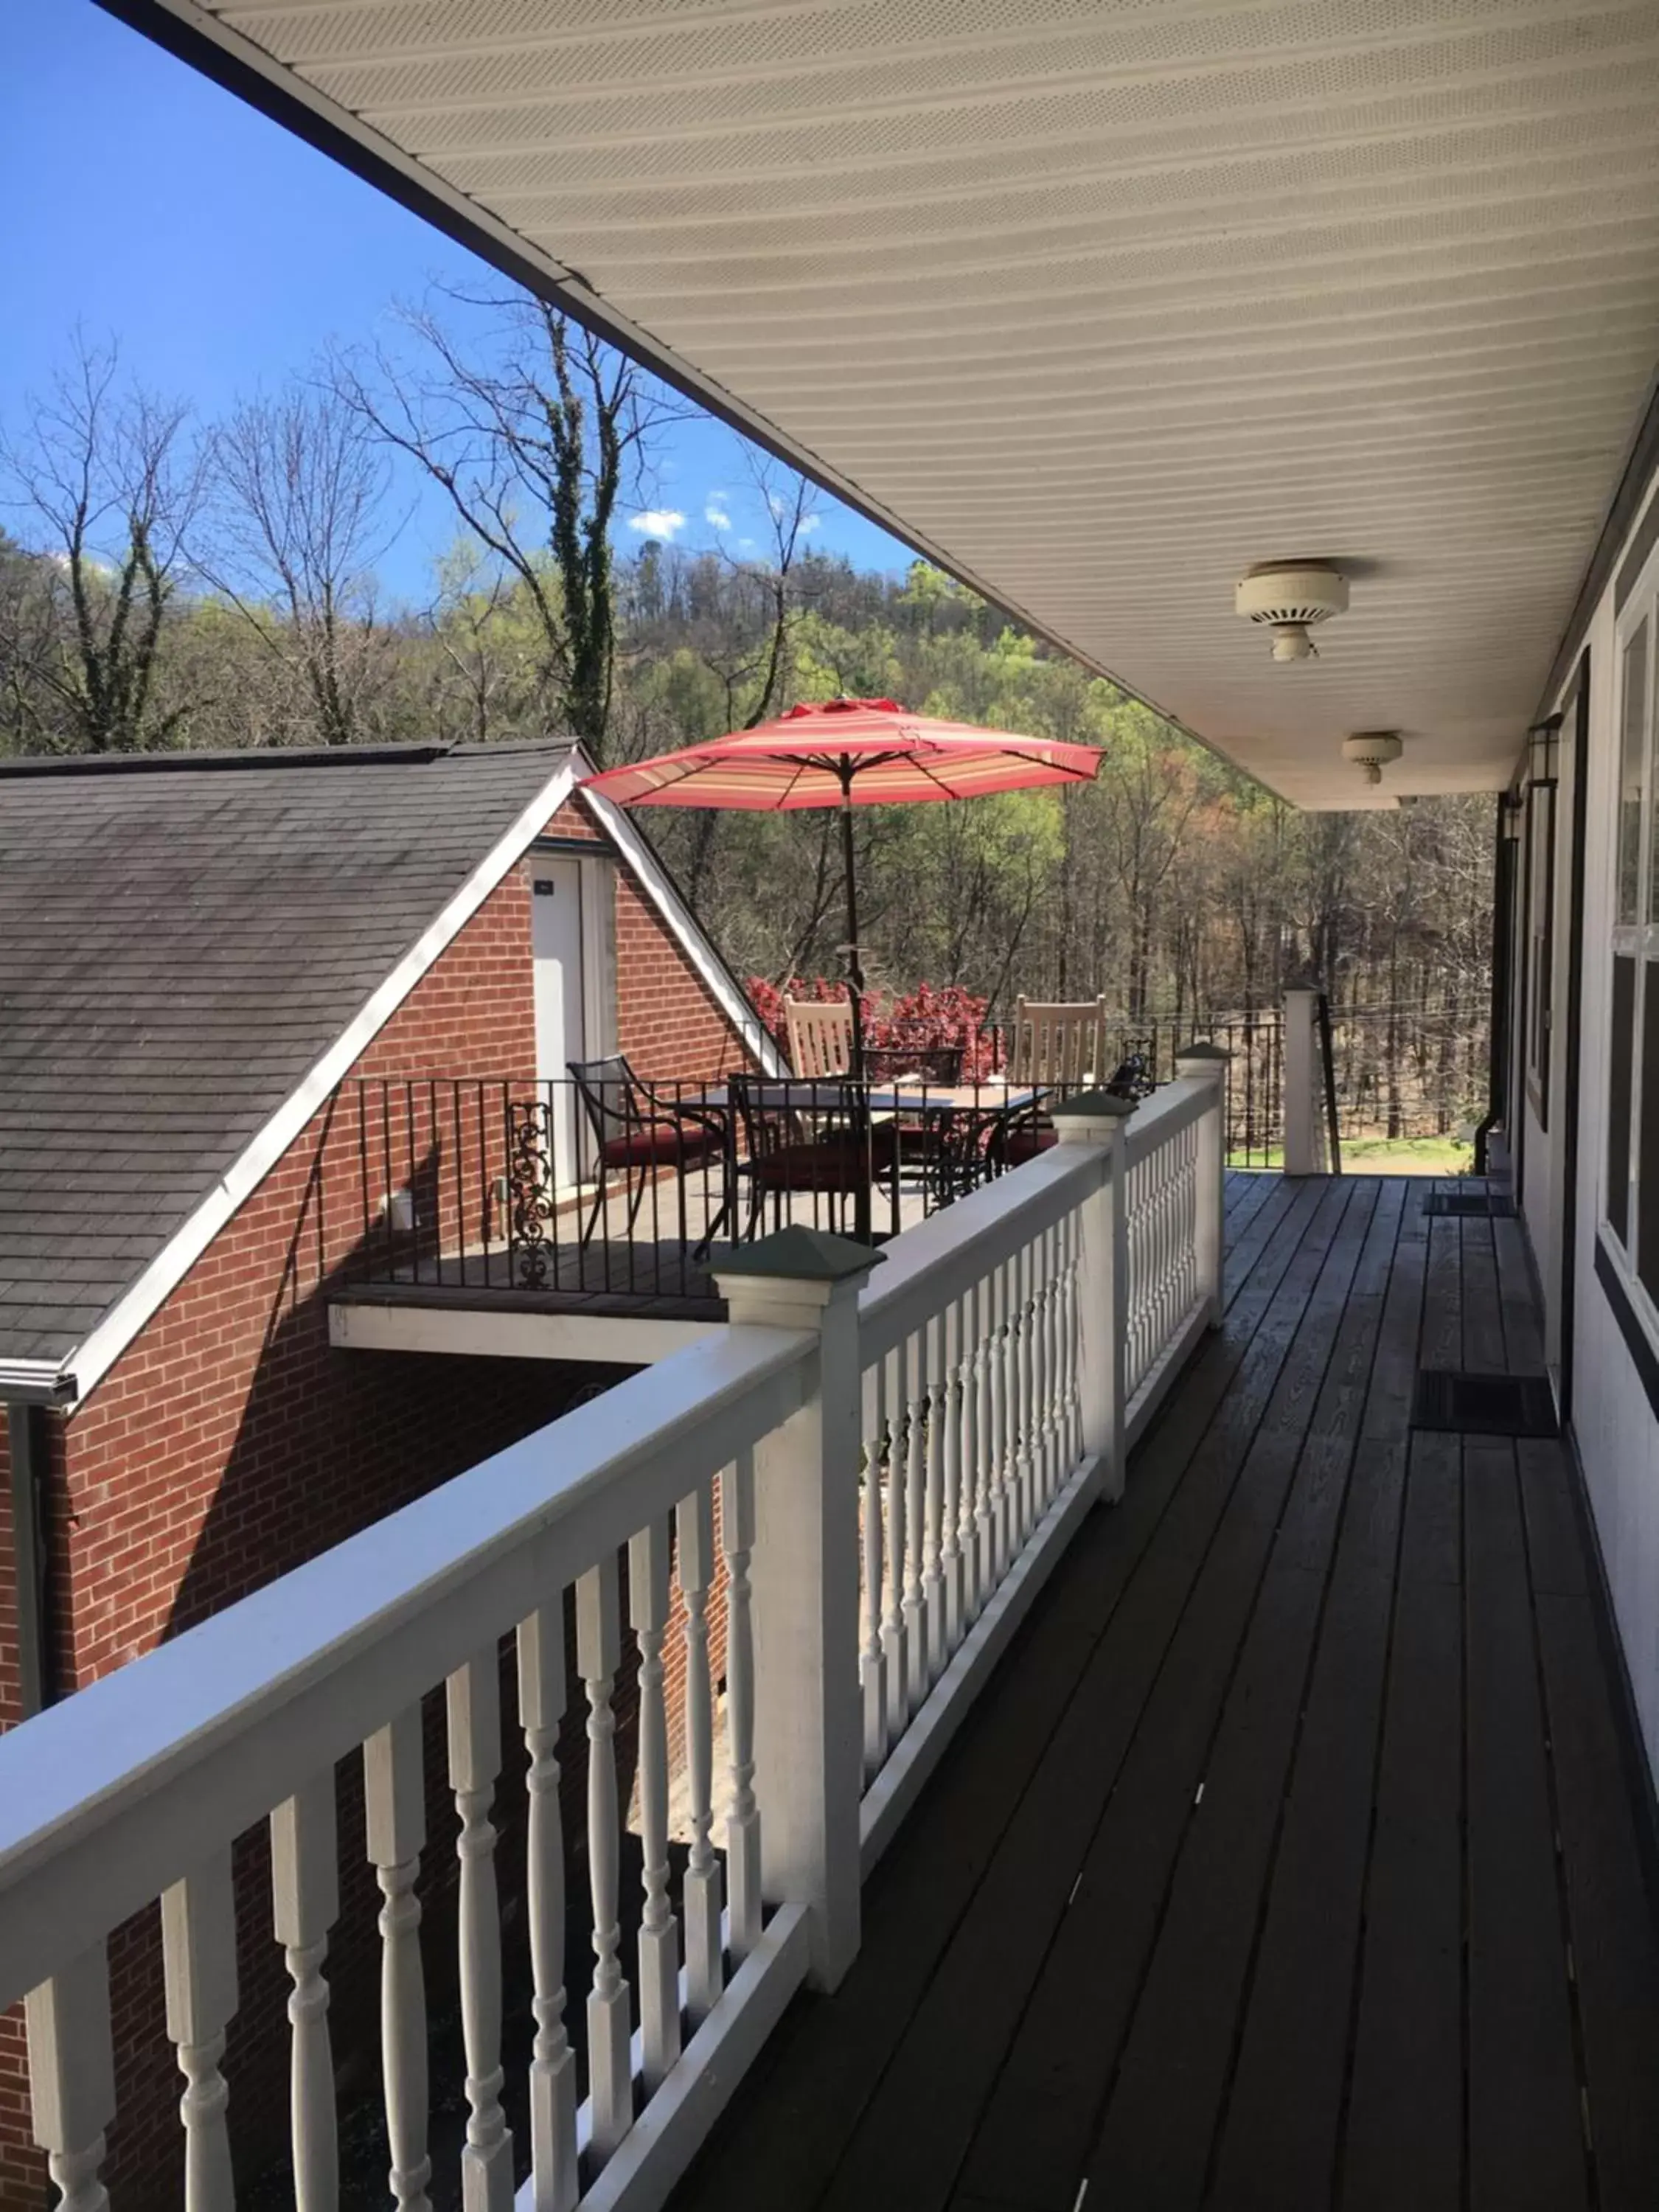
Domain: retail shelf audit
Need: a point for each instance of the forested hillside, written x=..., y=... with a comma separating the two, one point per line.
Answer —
x=167, y=583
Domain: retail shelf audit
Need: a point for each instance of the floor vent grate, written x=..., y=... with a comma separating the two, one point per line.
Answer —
x=1476, y=1205
x=1484, y=1405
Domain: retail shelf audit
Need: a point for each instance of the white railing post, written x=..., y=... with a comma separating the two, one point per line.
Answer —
x=1304, y=1124
x=809, y=1732
x=1097, y=1118
x=1208, y=1063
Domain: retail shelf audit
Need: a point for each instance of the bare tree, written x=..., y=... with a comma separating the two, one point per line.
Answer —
x=533, y=443
x=104, y=483
x=294, y=525
x=754, y=668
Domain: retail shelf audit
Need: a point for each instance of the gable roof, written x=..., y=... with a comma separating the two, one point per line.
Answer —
x=193, y=949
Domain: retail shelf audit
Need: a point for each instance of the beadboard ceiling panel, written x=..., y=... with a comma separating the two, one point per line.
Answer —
x=1098, y=301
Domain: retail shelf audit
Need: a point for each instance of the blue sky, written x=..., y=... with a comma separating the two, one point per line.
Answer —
x=144, y=203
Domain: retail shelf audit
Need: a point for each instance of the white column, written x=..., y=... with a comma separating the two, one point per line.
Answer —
x=475, y=1759
x=198, y=1959
x=72, y=2077
x=808, y=1723
x=553, y=2063
x=1208, y=1063
x=394, y=1799
x=305, y=1886
x=598, y=1655
x=660, y=1934
x=1303, y=1123
x=1098, y=1120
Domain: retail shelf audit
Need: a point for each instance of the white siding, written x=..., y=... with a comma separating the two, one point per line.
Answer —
x=1617, y=1435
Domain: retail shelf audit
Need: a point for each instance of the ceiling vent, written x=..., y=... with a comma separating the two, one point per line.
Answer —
x=1371, y=750
x=1289, y=597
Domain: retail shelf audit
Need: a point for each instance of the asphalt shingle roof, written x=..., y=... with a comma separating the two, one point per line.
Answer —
x=180, y=939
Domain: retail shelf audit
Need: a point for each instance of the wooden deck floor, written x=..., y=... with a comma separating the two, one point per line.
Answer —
x=1292, y=1858
x=649, y=1273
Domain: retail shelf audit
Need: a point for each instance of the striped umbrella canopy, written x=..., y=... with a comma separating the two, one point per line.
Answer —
x=846, y=752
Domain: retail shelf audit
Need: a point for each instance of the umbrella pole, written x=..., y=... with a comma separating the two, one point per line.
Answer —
x=855, y=992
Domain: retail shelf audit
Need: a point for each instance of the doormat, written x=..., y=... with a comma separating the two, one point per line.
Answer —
x=1479, y=1205
x=1484, y=1405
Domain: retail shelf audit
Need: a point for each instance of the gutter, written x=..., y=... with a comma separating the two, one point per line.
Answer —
x=36, y=1383
x=1503, y=901
x=30, y=1438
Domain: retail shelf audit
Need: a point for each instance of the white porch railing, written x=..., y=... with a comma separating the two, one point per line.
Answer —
x=881, y=1472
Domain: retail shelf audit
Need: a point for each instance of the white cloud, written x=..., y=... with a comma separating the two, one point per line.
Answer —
x=745, y=544
x=662, y=522
x=716, y=512
x=808, y=524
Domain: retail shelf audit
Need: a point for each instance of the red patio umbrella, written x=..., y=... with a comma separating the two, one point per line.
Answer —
x=847, y=753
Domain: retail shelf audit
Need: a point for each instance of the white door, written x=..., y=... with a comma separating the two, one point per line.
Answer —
x=555, y=942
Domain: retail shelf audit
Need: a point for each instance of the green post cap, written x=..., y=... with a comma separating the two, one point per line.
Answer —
x=800, y=1254
x=1092, y=1106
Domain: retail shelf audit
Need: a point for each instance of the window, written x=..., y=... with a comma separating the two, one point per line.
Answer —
x=1540, y=948
x=1632, y=1187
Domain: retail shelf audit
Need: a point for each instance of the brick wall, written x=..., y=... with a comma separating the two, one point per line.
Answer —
x=230, y=1442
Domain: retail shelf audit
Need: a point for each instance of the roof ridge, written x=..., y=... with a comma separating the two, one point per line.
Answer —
x=23, y=766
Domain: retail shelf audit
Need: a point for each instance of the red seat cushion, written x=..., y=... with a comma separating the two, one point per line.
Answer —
x=832, y=1163
x=1027, y=1140
x=659, y=1147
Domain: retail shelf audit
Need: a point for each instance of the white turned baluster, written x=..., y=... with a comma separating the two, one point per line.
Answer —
x=394, y=1800
x=872, y=1661
x=936, y=1406
x=1000, y=1458
x=1053, y=1355
x=305, y=1890
x=474, y=1696
x=953, y=1403
x=916, y=1520
x=553, y=2063
x=1043, y=1448
x=694, y=1522
x=72, y=2078
x=743, y=1831
x=660, y=1934
x=1022, y=1279
x=198, y=1959
x=985, y=1510
x=894, y=1644
x=598, y=1655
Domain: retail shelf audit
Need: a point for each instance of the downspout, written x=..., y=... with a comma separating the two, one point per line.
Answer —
x=1503, y=900
x=30, y=1440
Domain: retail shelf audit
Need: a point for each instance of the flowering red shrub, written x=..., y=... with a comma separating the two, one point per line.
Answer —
x=929, y=1014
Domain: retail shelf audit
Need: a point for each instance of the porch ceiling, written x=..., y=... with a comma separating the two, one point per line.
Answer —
x=1098, y=303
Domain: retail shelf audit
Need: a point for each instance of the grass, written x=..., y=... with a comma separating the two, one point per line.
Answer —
x=1428, y=1156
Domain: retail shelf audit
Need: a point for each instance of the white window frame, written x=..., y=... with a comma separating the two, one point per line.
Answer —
x=1637, y=940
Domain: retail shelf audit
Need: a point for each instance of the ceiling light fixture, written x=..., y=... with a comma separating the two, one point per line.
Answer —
x=1371, y=750
x=1288, y=597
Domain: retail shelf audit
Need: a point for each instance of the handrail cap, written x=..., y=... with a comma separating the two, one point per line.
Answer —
x=801, y=1254
x=1203, y=1049
x=1092, y=1106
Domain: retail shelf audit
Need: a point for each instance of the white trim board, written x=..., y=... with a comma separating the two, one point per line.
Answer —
x=92, y=1359
x=484, y=1332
